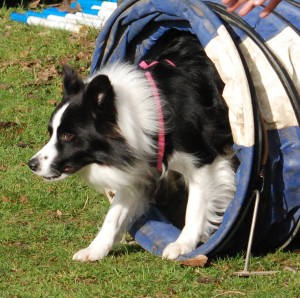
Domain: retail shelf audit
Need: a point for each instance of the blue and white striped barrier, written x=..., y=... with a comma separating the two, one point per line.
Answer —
x=94, y=14
x=95, y=4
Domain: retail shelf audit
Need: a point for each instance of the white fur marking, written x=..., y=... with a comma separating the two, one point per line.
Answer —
x=137, y=111
x=48, y=153
x=211, y=188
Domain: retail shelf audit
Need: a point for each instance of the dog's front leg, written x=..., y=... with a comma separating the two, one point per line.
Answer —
x=196, y=215
x=124, y=208
x=194, y=225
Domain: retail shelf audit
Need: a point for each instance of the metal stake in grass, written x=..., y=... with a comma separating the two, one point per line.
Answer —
x=246, y=272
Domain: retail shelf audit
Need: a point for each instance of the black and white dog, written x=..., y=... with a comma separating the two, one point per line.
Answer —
x=126, y=128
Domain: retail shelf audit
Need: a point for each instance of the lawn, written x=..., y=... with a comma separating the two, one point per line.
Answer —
x=43, y=224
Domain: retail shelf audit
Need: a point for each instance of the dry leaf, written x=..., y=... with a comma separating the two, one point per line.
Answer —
x=40, y=82
x=6, y=199
x=81, y=56
x=53, y=102
x=58, y=213
x=207, y=280
x=229, y=294
x=37, y=63
x=23, y=145
x=65, y=7
x=198, y=261
x=8, y=124
x=172, y=291
x=5, y=86
x=290, y=268
x=34, y=4
x=110, y=195
x=64, y=60
x=3, y=167
x=18, y=244
x=226, y=267
x=23, y=200
x=46, y=75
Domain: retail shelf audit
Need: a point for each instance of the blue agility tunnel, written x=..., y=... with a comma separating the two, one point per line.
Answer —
x=259, y=62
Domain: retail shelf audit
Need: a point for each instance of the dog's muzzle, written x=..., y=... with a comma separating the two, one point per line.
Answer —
x=51, y=174
x=34, y=164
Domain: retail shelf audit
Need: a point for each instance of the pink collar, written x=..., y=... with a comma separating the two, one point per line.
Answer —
x=161, y=128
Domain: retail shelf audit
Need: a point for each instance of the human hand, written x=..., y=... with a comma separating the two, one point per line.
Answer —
x=248, y=5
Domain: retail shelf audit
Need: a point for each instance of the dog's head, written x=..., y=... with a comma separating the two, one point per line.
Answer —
x=83, y=130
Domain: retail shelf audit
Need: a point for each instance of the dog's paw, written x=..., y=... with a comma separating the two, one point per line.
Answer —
x=90, y=254
x=174, y=250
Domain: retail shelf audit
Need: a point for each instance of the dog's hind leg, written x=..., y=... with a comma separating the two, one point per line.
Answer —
x=211, y=188
x=125, y=207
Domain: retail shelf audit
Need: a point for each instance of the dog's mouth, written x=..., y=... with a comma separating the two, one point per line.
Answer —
x=68, y=170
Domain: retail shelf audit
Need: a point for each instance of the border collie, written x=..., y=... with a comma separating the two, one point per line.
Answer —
x=128, y=128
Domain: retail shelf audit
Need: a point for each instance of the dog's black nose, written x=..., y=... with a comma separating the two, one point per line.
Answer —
x=33, y=164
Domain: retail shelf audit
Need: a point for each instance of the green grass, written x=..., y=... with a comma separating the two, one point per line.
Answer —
x=43, y=224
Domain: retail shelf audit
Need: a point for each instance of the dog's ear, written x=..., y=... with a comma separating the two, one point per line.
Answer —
x=72, y=82
x=99, y=91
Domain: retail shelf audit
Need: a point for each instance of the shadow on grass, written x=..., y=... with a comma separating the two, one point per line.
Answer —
x=125, y=249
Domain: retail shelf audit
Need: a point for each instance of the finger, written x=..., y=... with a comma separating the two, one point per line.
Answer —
x=250, y=5
x=258, y=2
x=234, y=5
x=228, y=2
x=246, y=8
x=269, y=8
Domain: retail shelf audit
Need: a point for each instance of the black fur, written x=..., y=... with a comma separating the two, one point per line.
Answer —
x=193, y=92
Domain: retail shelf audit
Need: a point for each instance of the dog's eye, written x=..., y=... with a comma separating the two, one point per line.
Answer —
x=67, y=137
